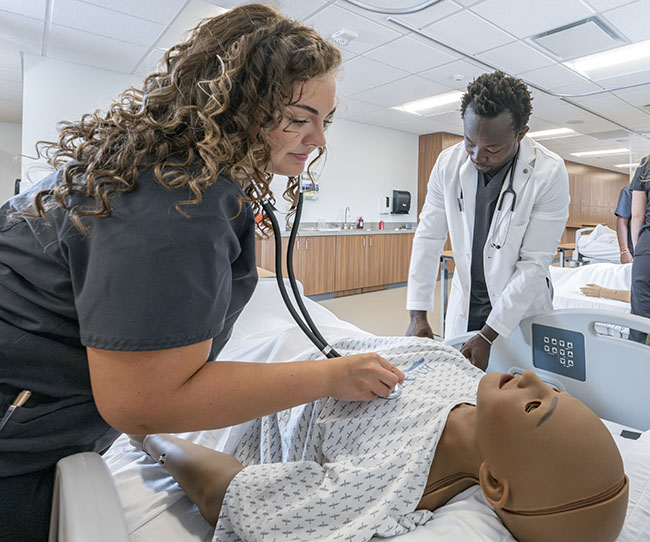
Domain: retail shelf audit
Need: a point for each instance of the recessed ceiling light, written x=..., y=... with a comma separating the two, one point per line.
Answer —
x=626, y=59
x=596, y=153
x=627, y=165
x=553, y=133
x=431, y=104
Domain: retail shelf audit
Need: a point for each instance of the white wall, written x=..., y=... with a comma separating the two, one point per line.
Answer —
x=10, y=141
x=55, y=91
x=363, y=162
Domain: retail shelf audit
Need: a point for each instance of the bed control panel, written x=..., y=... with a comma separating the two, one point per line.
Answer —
x=559, y=351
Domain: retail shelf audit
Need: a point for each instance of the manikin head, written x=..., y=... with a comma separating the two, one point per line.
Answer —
x=549, y=466
x=495, y=110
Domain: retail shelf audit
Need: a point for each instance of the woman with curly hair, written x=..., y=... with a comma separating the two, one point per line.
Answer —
x=123, y=271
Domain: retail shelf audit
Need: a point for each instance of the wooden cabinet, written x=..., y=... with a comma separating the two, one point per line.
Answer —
x=366, y=261
x=317, y=263
x=313, y=261
x=402, y=245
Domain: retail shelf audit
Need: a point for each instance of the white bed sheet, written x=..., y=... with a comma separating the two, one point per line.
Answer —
x=157, y=510
x=568, y=280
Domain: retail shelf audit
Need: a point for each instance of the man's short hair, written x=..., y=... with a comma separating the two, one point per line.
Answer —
x=493, y=93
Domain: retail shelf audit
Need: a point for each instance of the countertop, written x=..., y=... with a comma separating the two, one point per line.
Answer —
x=315, y=232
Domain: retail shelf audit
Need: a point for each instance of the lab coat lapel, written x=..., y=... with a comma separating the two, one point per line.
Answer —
x=523, y=171
x=468, y=178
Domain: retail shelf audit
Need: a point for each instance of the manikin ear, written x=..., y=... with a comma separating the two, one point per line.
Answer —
x=495, y=489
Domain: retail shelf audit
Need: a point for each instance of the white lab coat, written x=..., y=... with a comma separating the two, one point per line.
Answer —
x=516, y=275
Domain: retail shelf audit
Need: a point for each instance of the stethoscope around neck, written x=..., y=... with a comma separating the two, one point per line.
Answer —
x=501, y=219
x=307, y=325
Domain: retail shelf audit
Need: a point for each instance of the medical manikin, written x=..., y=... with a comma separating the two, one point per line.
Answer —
x=544, y=461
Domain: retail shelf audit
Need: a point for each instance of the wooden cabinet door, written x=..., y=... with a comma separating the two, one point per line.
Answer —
x=378, y=260
x=266, y=258
x=317, y=264
x=402, y=245
x=350, y=262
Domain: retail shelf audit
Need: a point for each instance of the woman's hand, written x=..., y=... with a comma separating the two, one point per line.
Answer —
x=362, y=377
x=591, y=290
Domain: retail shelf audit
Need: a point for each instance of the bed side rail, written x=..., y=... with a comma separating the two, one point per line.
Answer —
x=86, y=506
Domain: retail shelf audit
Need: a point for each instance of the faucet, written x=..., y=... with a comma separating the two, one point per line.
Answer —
x=345, y=217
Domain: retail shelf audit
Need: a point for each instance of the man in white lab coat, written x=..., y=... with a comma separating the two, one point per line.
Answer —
x=504, y=200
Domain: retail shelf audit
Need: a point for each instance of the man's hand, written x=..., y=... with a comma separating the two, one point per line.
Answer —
x=626, y=257
x=477, y=351
x=419, y=326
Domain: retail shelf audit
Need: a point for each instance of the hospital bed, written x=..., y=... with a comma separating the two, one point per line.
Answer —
x=125, y=495
x=596, y=244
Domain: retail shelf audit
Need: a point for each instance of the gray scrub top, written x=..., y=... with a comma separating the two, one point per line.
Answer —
x=624, y=210
x=487, y=193
x=642, y=247
x=145, y=278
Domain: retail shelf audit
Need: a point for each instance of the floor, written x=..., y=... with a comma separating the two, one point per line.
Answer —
x=382, y=312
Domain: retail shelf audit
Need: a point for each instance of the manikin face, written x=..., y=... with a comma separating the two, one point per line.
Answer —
x=490, y=143
x=547, y=447
x=295, y=139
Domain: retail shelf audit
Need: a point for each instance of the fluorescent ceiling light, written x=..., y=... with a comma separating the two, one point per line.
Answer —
x=552, y=133
x=425, y=106
x=596, y=153
x=619, y=59
x=627, y=165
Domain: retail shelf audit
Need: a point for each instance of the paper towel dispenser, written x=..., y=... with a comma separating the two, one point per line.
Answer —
x=401, y=202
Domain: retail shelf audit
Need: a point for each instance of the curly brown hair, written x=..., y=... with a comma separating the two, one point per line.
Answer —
x=492, y=93
x=206, y=112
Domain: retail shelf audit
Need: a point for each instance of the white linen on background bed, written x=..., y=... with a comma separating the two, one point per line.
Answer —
x=567, y=282
x=156, y=509
x=601, y=245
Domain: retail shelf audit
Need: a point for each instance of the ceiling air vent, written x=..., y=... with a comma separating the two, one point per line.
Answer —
x=581, y=38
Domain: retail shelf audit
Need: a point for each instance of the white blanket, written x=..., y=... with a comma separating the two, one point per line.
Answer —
x=600, y=245
x=339, y=470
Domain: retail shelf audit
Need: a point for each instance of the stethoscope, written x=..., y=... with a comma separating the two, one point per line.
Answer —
x=501, y=224
x=307, y=325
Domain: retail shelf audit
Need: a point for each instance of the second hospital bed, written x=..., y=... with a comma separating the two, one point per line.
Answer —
x=134, y=498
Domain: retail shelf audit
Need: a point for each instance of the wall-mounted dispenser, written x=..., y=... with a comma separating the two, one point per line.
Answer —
x=385, y=202
x=401, y=202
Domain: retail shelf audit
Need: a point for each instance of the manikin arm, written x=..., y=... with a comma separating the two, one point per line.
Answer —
x=594, y=290
x=203, y=473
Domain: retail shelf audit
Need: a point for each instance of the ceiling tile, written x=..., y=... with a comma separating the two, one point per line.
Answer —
x=362, y=73
x=638, y=96
x=371, y=34
x=429, y=15
x=468, y=32
x=604, y=5
x=553, y=77
x=348, y=107
x=612, y=106
x=529, y=17
x=191, y=15
x=159, y=11
x=402, y=91
x=20, y=33
x=149, y=64
x=92, y=50
x=456, y=75
x=409, y=54
x=296, y=9
x=105, y=22
x=28, y=8
x=516, y=57
x=632, y=20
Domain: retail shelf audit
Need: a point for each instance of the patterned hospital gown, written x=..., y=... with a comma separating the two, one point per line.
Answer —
x=347, y=471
